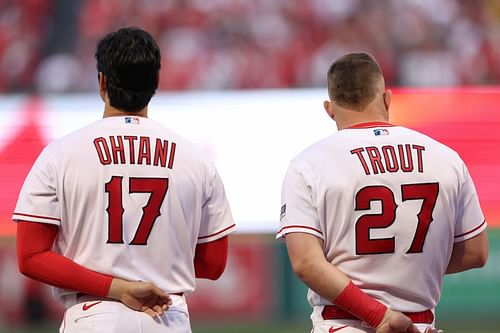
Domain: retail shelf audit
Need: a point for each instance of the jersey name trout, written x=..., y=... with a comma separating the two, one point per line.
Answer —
x=129, y=149
x=389, y=158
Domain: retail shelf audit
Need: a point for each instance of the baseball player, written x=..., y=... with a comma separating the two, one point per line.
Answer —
x=375, y=214
x=120, y=201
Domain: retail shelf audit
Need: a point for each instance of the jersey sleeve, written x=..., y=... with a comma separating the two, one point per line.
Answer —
x=470, y=219
x=298, y=210
x=216, y=218
x=38, y=201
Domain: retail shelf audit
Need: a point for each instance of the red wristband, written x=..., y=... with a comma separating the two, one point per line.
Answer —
x=361, y=305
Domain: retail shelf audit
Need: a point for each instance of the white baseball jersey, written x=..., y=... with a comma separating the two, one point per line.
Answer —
x=388, y=203
x=131, y=199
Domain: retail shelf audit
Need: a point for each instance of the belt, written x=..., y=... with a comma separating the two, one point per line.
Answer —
x=334, y=312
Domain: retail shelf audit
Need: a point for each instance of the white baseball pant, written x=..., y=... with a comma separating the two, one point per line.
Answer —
x=351, y=326
x=321, y=325
x=94, y=315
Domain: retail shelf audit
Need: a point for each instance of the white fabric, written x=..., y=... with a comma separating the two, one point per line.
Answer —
x=115, y=317
x=347, y=325
x=351, y=326
x=67, y=187
x=319, y=197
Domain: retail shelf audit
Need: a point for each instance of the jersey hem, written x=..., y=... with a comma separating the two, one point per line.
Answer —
x=298, y=228
x=217, y=235
x=471, y=233
x=16, y=217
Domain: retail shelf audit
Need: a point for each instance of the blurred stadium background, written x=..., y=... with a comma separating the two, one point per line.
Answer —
x=245, y=79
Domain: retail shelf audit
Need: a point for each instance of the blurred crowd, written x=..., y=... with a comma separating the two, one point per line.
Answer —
x=48, y=45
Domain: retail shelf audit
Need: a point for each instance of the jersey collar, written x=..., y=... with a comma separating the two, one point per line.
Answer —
x=371, y=125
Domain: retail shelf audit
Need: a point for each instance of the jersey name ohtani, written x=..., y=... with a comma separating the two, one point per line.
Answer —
x=390, y=158
x=157, y=152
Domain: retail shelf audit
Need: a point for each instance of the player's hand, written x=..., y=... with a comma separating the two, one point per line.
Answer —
x=396, y=322
x=140, y=296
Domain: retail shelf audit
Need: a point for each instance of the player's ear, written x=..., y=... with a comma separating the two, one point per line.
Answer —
x=328, y=105
x=101, y=78
x=387, y=98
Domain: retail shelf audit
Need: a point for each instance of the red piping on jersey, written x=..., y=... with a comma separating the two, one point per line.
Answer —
x=471, y=231
x=39, y=217
x=371, y=125
x=300, y=226
x=215, y=234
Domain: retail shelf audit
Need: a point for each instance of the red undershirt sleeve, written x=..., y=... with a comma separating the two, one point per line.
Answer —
x=210, y=258
x=37, y=261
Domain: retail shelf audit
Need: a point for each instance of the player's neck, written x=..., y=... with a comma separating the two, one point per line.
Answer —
x=347, y=124
x=348, y=118
x=110, y=111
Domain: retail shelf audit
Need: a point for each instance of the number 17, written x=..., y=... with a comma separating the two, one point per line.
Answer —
x=156, y=186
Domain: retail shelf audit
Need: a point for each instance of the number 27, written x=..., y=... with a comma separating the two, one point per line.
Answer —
x=427, y=192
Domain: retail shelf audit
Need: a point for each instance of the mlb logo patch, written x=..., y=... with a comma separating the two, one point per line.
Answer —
x=380, y=131
x=132, y=120
x=283, y=212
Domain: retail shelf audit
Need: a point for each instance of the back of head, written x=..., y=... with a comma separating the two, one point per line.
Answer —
x=130, y=60
x=354, y=80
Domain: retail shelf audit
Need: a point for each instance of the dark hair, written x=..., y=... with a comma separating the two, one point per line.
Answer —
x=130, y=60
x=353, y=80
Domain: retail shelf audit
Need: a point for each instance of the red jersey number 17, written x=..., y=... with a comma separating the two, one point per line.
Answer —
x=157, y=187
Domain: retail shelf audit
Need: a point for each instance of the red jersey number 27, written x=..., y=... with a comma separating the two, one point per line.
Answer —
x=427, y=192
x=157, y=187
